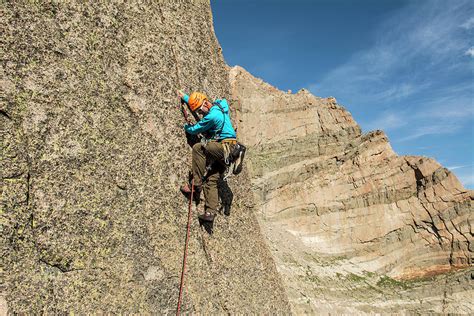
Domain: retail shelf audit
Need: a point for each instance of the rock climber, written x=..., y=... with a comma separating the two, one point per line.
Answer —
x=208, y=156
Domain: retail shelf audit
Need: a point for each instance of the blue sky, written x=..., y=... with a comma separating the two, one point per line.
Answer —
x=403, y=66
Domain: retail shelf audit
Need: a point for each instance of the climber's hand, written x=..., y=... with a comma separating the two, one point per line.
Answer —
x=180, y=93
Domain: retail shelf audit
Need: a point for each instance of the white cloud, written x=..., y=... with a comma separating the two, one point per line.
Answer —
x=459, y=112
x=396, y=92
x=469, y=24
x=406, y=80
x=387, y=121
x=439, y=114
x=436, y=129
x=457, y=167
x=457, y=106
x=418, y=45
x=467, y=178
x=470, y=52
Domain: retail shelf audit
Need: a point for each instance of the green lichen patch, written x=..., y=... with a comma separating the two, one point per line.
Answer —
x=388, y=282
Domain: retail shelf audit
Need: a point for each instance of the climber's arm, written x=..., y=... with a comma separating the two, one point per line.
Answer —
x=203, y=125
x=183, y=96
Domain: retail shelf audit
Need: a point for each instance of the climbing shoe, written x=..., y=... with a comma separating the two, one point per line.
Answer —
x=207, y=217
x=238, y=155
x=186, y=190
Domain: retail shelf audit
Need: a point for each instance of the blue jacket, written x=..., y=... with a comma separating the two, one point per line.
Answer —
x=215, y=124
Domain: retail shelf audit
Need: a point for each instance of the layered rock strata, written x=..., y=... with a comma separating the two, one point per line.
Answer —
x=331, y=192
x=93, y=154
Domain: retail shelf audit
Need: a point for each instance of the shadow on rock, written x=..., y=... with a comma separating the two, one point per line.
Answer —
x=208, y=226
x=226, y=196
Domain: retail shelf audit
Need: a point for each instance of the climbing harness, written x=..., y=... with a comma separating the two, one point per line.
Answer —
x=183, y=272
x=234, y=160
x=233, y=156
x=226, y=144
x=234, y=153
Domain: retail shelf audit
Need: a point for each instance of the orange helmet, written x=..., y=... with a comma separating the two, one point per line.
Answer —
x=195, y=100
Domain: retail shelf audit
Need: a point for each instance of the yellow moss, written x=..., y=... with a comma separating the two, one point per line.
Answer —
x=78, y=264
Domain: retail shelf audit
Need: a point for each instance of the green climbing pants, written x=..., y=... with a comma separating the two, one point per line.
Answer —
x=203, y=156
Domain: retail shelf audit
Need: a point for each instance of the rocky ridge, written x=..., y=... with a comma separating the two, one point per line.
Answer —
x=93, y=154
x=331, y=196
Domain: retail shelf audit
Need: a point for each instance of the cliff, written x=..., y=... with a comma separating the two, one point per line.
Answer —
x=327, y=219
x=93, y=155
x=330, y=196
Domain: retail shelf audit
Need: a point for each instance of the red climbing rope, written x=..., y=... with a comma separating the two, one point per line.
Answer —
x=183, y=272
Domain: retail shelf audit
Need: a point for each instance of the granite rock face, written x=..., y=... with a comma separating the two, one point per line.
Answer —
x=93, y=154
x=331, y=196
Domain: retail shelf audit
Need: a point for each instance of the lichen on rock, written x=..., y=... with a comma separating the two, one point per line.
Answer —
x=94, y=152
